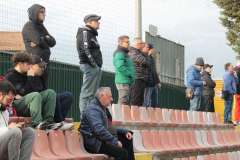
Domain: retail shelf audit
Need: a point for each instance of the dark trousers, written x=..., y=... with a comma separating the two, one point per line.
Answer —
x=137, y=92
x=113, y=151
x=228, y=103
x=207, y=104
x=64, y=102
x=128, y=145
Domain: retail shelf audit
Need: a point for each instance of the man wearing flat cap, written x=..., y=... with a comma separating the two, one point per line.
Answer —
x=208, y=90
x=195, y=84
x=90, y=58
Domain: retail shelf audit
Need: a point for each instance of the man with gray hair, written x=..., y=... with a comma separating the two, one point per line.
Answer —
x=95, y=129
x=141, y=68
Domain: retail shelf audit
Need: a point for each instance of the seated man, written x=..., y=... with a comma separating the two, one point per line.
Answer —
x=15, y=141
x=63, y=100
x=95, y=130
x=39, y=105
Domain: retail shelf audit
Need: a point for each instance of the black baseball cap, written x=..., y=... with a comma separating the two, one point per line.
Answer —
x=91, y=17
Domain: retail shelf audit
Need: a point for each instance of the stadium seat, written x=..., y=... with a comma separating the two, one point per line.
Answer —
x=159, y=115
x=58, y=146
x=148, y=140
x=138, y=142
x=74, y=147
x=116, y=114
x=126, y=111
x=151, y=115
x=144, y=115
x=41, y=147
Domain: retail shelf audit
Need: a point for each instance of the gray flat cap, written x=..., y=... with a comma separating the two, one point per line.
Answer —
x=91, y=17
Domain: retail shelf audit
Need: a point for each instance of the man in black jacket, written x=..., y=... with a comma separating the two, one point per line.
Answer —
x=153, y=82
x=40, y=105
x=208, y=90
x=36, y=38
x=90, y=59
x=141, y=66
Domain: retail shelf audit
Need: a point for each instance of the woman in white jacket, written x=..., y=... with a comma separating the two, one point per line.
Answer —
x=15, y=141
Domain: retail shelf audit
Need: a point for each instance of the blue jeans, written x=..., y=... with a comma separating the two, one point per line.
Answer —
x=64, y=102
x=151, y=97
x=228, y=103
x=91, y=81
x=195, y=103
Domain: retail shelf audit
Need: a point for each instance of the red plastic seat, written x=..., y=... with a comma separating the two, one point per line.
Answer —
x=147, y=140
x=135, y=115
x=217, y=118
x=185, y=117
x=144, y=115
x=173, y=116
x=41, y=147
x=58, y=146
x=74, y=146
x=126, y=113
x=151, y=115
x=193, y=142
x=158, y=115
x=117, y=118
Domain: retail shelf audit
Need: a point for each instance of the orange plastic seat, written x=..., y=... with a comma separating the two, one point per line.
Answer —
x=158, y=115
x=74, y=146
x=136, y=116
x=126, y=113
x=41, y=147
x=58, y=146
x=144, y=115
x=147, y=140
x=151, y=115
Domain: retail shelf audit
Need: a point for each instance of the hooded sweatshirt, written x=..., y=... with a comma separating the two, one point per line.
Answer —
x=34, y=31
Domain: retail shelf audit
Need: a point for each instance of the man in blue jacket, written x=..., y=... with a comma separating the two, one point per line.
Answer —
x=195, y=83
x=229, y=89
x=95, y=128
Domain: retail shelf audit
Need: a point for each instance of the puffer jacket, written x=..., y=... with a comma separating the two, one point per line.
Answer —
x=94, y=127
x=194, y=80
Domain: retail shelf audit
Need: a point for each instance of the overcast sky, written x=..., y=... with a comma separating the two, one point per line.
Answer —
x=193, y=23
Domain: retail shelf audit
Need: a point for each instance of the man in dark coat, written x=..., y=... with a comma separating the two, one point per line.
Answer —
x=90, y=59
x=36, y=38
x=153, y=82
x=208, y=90
x=95, y=127
x=141, y=66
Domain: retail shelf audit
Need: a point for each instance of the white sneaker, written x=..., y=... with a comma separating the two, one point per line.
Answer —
x=66, y=126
